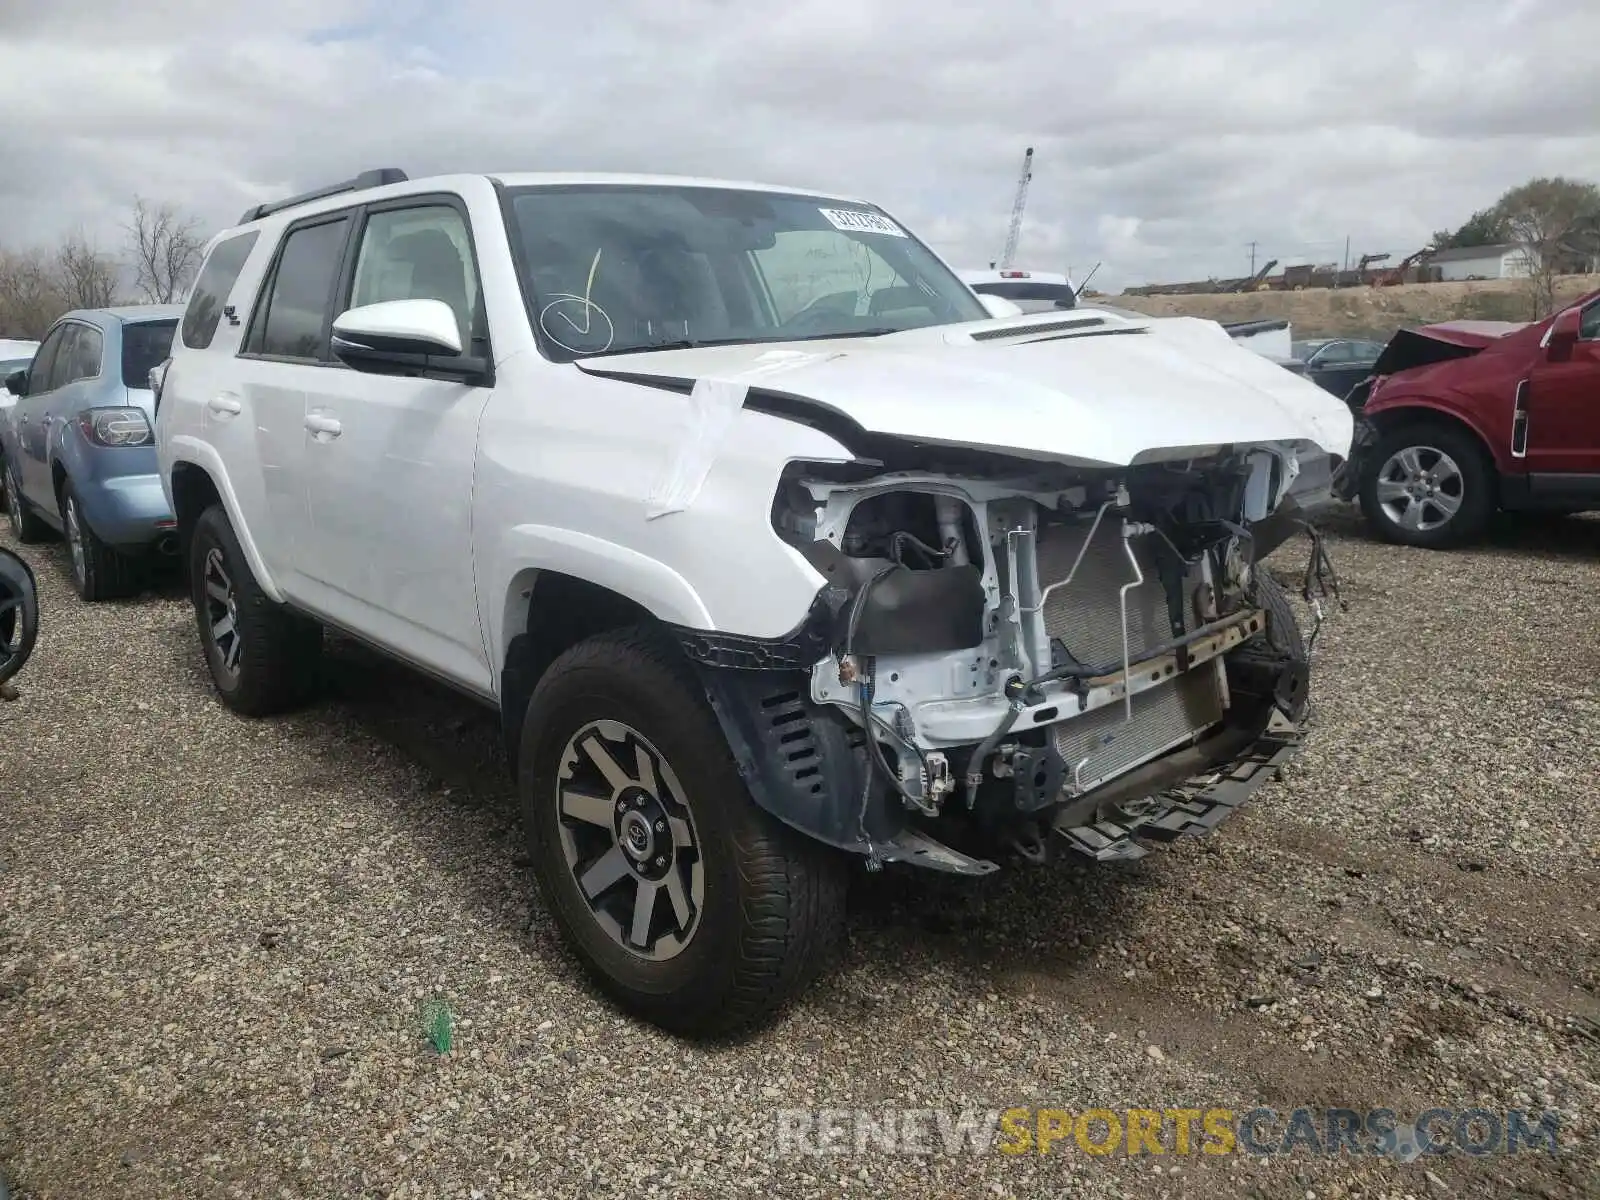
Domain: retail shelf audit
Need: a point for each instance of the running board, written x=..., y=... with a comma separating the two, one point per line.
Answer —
x=1191, y=809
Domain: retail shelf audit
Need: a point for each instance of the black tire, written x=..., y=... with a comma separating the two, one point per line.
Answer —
x=1284, y=637
x=1476, y=499
x=19, y=613
x=26, y=525
x=99, y=571
x=772, y=904
x=1283, y=626
x=270, y=666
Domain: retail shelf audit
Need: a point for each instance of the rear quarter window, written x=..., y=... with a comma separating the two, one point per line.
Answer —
x=216, y=280
x=144, y=346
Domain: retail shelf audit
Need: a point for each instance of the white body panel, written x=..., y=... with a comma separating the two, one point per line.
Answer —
x=418, y=513
x=1078, y=395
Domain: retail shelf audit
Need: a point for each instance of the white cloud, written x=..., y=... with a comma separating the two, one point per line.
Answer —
x=1168, y=134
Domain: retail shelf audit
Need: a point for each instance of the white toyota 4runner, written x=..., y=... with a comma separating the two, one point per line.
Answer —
x=770, y=545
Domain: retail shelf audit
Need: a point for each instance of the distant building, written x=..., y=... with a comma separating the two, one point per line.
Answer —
x=1480, y=262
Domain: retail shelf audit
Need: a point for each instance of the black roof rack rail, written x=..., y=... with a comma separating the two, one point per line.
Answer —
x=367, y=179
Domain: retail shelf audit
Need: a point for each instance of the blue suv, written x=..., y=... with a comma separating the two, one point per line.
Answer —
x=78, y=449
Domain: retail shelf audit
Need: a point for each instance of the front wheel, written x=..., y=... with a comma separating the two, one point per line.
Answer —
x=26, y=525
x=1427, y=485
x=683, y=900
x=262, y=658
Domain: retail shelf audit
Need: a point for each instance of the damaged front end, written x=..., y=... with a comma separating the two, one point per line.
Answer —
x=1012, y=662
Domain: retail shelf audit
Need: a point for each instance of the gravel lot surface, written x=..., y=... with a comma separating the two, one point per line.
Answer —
x=216, y=936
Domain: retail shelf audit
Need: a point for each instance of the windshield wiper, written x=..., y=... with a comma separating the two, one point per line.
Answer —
x=848, y=333
x=698, y=343
x=682, y=344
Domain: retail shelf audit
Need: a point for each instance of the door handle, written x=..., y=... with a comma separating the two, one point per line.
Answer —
x=323, y=427
x=224, y=405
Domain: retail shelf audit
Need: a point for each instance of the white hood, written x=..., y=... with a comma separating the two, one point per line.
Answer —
x=1081, y=386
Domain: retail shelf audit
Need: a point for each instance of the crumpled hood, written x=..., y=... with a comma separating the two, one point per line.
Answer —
x=1080, y=386
x=1426, y=345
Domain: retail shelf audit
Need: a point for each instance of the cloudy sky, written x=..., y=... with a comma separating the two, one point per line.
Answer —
x=1168, y=134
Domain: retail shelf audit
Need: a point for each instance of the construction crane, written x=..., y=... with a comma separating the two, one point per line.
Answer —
x=1016, y=210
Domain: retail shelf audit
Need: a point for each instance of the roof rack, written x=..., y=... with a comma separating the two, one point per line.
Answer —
x=367, y=179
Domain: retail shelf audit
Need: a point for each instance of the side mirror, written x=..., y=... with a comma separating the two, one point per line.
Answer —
x=1563, y=335
x=397, y=327
x=17, y=382
x=19, y=614
x=396, y=336
x=999, y=306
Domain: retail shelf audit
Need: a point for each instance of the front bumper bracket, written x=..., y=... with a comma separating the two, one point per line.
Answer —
x=1190, y=809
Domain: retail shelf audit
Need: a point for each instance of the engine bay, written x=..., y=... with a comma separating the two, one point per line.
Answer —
x=1011, y=643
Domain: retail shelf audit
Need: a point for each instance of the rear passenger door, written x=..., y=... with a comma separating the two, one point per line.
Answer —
x=74, y=375
x=389, y=458
x=283, y=360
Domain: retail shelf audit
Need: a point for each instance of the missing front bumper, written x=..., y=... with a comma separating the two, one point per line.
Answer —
x=1191, y=809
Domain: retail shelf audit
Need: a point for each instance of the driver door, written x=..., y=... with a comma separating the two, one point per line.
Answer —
x=389, y=458
x=1563, y=407
x=45, y=377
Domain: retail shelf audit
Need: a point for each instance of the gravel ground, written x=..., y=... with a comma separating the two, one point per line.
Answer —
x=216, y=936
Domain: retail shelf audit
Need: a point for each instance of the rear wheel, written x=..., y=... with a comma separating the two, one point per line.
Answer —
x=263, y=658
x=684, y=900
x=26, y=525
x=1428, y=485
x=99, y=571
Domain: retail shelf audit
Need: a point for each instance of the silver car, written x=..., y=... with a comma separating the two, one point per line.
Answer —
x=78, y=448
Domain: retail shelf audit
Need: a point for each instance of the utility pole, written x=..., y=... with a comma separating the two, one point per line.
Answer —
x=1252, y=259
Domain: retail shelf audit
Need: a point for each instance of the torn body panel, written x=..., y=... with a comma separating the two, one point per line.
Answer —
x=991, y=655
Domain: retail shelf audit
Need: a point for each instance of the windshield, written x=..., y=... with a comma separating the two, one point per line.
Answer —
x=8, y=365
x=611, y=269
x=1030, y=295
x=144, y=346
x=1304, y=350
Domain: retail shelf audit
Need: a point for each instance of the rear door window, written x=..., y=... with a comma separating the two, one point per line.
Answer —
x=211, y=289
x=1043, y=295
x=143, y=347
x=84, y=360
x=292, y=319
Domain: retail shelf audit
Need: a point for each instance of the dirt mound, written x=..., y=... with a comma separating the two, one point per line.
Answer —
x=1364, y=311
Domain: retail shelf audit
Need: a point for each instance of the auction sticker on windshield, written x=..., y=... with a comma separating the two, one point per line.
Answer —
x=853, y=220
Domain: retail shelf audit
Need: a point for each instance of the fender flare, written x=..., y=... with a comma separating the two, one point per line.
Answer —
x=186, y=450
x=527, y=549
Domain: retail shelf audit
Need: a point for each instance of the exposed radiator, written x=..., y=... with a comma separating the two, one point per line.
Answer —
x=1085, y=615
x=1163, y=717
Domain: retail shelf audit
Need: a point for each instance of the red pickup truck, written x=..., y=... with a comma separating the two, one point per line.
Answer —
x=1467, y=417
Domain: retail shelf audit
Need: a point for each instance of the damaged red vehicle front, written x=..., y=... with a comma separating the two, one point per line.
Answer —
x=1466, y=418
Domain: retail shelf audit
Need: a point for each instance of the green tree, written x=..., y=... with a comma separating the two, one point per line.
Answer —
x=1486, y=227
x=1555, y=222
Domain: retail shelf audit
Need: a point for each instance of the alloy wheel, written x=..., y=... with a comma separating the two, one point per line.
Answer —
x=1420, y=488
x=629, y=839
x=13, y=502
x=222, y=612
x=75, y=538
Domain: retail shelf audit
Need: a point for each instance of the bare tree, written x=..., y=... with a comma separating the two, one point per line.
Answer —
x=86, y=277
x=164, y=248
x=29, y=295
x=1555, y=223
